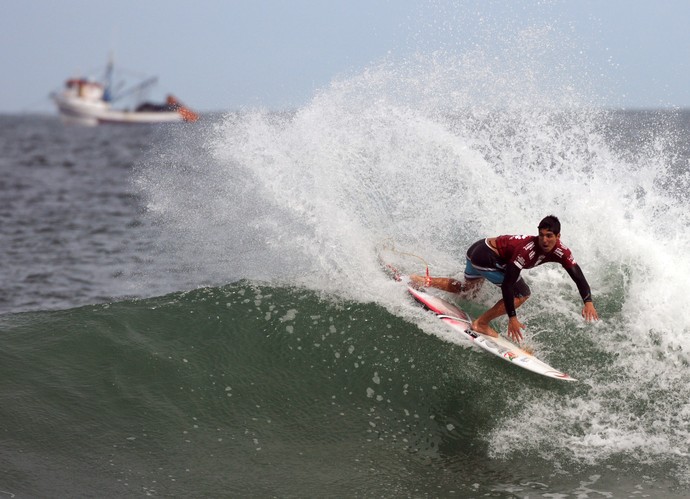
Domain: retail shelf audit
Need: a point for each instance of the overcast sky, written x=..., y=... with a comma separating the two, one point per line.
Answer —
x=232, y=54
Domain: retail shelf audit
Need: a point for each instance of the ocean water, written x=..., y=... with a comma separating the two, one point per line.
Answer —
x=198, y=311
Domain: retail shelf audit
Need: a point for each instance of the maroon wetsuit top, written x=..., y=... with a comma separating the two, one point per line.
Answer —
x=523, y=252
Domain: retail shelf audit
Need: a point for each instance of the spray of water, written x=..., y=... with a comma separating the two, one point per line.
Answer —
x=435, y=151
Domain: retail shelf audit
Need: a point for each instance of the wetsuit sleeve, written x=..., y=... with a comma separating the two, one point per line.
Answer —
x=507, y=288
x=575, y=273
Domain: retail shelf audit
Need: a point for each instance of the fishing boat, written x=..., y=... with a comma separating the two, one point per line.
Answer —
x=90, y=102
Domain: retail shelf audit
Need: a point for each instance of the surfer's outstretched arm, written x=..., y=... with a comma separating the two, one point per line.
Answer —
x=588, y=310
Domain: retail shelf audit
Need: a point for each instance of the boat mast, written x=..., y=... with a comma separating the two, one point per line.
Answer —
x=108, y=80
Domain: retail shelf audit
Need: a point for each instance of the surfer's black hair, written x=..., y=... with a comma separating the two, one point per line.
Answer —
x=550, y=223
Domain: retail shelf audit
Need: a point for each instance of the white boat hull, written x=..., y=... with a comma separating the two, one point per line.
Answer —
x=88, y=102
x=92, y=113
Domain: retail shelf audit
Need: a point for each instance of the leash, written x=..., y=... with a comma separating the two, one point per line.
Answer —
x=389, y=245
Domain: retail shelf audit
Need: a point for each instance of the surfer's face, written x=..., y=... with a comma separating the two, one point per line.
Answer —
x=547, y=240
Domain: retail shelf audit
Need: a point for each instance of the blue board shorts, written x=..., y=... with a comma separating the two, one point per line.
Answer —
x=483, y=263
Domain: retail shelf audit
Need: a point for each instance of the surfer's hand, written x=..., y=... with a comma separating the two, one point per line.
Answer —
x=589, y=312
x=515, y=329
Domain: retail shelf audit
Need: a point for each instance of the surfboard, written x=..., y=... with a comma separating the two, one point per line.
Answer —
x=458, y=320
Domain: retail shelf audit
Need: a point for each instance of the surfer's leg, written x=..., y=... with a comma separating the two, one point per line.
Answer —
x=443, y=283
x=522, y=293
x=471, y=287
x=465, y=289
x=482, y=323
x=473, y=280
x=481, y=263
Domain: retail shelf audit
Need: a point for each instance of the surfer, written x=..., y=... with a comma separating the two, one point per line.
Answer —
x=500, y=260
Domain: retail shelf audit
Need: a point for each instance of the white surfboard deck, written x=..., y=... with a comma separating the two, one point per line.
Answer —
x=460, y=321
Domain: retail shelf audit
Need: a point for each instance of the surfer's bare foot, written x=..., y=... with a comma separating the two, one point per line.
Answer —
x=484, y=329
x=418, y=281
